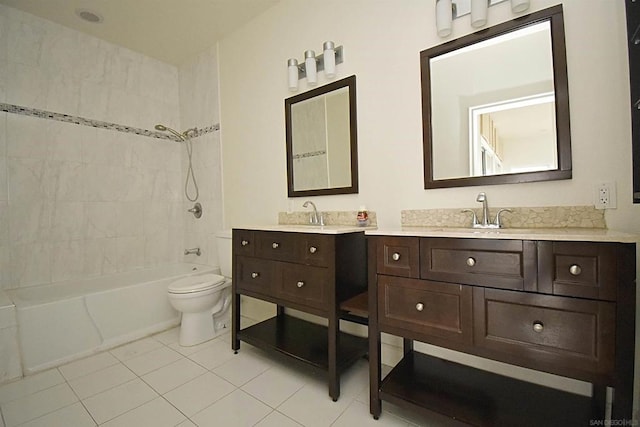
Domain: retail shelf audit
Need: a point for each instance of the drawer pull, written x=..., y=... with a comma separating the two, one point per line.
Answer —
x=300, y=284
x=313, y=249
x=538, y=326
x=395, y=256
x=275, y=245
x=255, y=275
x=419, y=306
x=244, y=242
x=575, y=270
x=471, y=261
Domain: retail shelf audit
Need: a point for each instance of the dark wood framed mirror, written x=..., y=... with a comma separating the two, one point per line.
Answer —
x=322, y=140
x=495, y=105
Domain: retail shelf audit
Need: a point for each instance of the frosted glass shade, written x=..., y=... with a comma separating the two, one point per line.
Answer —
x=292, y=66
x=444, y=17
x=329, y=59
x=518, y=6
x=310, y=66
x=479, y=10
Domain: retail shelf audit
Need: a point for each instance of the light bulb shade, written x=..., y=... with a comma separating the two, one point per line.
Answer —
x=329, y=59
x=444, y=17
x=292, y=67
x=479, y=13
x=518, y=6
x=310, y=67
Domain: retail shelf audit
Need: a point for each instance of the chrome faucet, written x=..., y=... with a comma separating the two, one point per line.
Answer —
x=315, y=218
x=486, y=221
x=193, y=251
x=482, y=198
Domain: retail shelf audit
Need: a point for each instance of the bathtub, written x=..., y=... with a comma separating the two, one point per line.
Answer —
x=67, y=320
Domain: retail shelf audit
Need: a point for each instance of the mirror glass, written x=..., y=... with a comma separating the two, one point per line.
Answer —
x=496, y=107
x=322, y=140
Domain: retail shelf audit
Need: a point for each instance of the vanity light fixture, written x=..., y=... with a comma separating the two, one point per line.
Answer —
x=444, y=17
x=448, y=10
x=479, y=9
x=518, y=6
x=326, y=61
x=311, y=66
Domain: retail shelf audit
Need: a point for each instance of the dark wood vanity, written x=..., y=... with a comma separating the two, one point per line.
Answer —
x=307, y=271
x=562, y=307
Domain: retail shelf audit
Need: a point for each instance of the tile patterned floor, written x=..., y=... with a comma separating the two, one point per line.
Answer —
x=155, y=382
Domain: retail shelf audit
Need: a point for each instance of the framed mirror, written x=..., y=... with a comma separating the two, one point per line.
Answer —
x=495, y=105
x=322, y=152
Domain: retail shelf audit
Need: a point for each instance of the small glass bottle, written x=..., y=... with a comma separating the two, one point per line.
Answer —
x=363, y=216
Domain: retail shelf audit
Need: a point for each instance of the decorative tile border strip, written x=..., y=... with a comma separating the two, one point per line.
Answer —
x=309, y=154
x=330, y=218
x=43, y=114
x=536, y=217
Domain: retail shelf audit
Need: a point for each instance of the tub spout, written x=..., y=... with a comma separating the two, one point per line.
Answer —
x=193, y=251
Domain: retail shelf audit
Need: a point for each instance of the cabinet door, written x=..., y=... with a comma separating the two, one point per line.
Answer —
x=303, y=284
x=507, y=264
x=254, y=275
x=555, y=334
x=398, y=256
x=427, y=309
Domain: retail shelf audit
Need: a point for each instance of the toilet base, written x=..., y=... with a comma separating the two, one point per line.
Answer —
x=196, y=328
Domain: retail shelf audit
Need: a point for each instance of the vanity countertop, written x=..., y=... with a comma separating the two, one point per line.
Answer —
x=317, y=229
x=567, y=234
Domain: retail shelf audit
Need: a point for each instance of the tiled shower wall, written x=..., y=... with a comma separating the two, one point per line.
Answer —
x=79, y=201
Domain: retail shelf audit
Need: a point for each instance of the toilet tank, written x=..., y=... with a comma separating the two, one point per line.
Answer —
x=223, y=240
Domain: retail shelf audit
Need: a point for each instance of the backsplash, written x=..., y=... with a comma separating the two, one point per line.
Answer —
x=530, y=217
x=330, y=218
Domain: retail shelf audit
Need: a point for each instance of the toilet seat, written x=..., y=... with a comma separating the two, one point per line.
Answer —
x=192, y=284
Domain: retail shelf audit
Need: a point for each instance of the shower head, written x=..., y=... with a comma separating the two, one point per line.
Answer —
x=163, y=128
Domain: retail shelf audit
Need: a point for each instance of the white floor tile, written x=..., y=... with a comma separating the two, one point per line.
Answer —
x=37, y=404
x=214, y=355
x=157, y=413
x=87, y=365
x=242, y=368
x=186, y=423
x=102, y=380
x=275, y=385
x=29, y=385
x=73, y=415
x=276, y=419
x=237, y=409
x=152, y=360
x=311, y=406
x=169, y=336
x=173, y=375
x=357, y=414
x=197, y=394
x=136, y=348
x=116, y=401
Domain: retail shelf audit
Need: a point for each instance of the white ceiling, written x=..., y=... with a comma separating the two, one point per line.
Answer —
x=173, y=31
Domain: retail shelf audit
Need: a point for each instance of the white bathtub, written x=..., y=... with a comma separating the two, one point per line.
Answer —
x=64, y=321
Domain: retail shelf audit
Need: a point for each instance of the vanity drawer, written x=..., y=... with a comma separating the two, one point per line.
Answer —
x=276, y=245
x=585, y=269
x=254, y=275
x=243, y=242
x=543, y=330
x=303, y=284
x=398, y=256
x=427, y=309
x=316, y=249
x=507, y=264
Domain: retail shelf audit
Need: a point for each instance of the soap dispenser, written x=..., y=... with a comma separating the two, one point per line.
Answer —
x=363, y=216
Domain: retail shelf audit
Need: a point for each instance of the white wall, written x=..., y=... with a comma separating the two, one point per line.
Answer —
x=382, y=40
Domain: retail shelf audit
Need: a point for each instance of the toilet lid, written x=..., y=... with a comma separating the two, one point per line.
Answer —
x=198, y=283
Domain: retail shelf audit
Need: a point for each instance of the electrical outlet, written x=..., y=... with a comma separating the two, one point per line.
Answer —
x=606, y=195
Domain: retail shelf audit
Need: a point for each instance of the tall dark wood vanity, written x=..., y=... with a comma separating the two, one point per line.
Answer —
x=562, y=304
x=312, y=271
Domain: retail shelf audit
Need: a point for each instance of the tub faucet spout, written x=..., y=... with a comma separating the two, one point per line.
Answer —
x=193, y=251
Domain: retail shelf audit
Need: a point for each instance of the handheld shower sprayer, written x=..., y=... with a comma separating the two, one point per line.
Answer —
x=186, y=138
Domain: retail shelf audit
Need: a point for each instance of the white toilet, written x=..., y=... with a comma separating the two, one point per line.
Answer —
x=204, y=300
